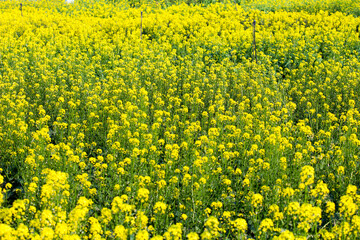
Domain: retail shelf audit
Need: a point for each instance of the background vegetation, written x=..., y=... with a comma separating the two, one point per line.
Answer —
x=167, y=126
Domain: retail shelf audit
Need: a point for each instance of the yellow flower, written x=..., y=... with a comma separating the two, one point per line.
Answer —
x=351, y=103
x=309, y=214
x=288, y=192
x=307, y=175
x=212, y=226
x=106, y=216
x=286, y=235
x=47, y=233
x=347, y=206
x=341, y=170
x=79, y=213
x=119, y=205
x=342, y=230
x=32, y=187
x=120, y=232
x=157, y=237
x=160, y=207
x=240, y=225
x=274, y=210
x=6, y=231
x=330, y=208
x=351, y=190
x=355, y=225
x=293, y=208
x=186, y=179
x=207, y=211
x=327, y=235
x=227, y=182
x=141, y=220
x=257, y=200
x=142, y=235
x=22, y=231
x=206, y=235
x=183, y=217
x=193, y=236
x=47, y=218
x=61, y=229
x=216, y=205
x=266, y=225
x=143, y=194
x=321, y=190
x=212, y=223
x=174, y=232
x=95, y=227
x=92, y=191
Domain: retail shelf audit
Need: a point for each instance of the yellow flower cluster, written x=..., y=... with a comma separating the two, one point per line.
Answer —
x=164, y=122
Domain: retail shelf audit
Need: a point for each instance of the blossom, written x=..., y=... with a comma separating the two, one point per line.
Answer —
x=256, y=200
x=266, y=225
x=120, y=232
x=160, y=207
x=143, y=194
x=142, y=235
x=307, y=175
x=240, y=225
x=347, y=206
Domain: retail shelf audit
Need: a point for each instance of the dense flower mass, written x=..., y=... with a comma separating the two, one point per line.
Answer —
x=139, y=120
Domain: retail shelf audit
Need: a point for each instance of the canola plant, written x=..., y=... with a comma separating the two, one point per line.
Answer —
x=157, y=122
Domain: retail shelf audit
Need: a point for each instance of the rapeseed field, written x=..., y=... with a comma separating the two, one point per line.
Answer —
x=151, y=120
